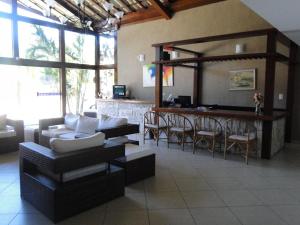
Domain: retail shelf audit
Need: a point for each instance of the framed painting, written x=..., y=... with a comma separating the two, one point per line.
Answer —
x=149, y=72
x=240, y=80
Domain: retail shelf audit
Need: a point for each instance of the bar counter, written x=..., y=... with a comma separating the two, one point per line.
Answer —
x=225, y=113
x=270, y=128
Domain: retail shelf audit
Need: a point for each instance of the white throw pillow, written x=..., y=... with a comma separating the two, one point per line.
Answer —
x=87, y=125
x=71, y=121
x=2, y=122
x=69, y=145
x=107, y=122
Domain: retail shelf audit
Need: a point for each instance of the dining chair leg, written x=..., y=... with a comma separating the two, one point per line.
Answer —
x=194, y=144
x=157, y=137
x=247, y=152
x=225, y=148
x=182, y=142
x=213, y=147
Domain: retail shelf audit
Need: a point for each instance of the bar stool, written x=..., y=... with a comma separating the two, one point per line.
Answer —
x=242, y=135
x=180, y=127
x=207, y=129
x=154, y=123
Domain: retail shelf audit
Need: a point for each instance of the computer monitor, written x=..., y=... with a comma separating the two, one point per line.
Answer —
x=119, y=91
x=185, y=101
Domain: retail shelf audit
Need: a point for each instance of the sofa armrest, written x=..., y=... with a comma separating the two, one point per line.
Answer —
x=120, y=131
x=19, y=128
x=45, y=123
x=47, y=159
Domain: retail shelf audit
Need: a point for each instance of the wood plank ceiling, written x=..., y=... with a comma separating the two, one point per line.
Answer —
x=136, y=11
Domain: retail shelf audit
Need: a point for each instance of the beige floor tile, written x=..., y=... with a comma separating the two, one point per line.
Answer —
x=275, y=197
x=136, y=188
x=214, y=216
x=128, y=202
x=257, y=215
x=227, y=183
x=238, y=198
x=165, y=200
x=90, y=217
x=6, y=218
x=202, y=199
x=290, y=214
x=170, y=217
x=192, y=184
x=155, y=184
x=127, y=218
x=31, y=219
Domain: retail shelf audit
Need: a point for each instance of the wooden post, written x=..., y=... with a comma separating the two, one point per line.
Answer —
x=15, y=29
x=197, y=91
x=269, y=94
x=97, y=63
x=63, y=76
x=158, y=77
x=290, y=91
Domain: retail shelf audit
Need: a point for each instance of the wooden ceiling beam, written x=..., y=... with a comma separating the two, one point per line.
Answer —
x=152, y=14
x=163, y=10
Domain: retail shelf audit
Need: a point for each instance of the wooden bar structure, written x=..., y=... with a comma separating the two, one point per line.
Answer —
x=271, y=57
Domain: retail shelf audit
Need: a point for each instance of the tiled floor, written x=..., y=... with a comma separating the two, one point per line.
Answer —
x=187, y=189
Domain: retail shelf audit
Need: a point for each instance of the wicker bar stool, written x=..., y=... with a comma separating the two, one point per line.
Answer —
x=180, y=127
x=207, y=129
x=154, y=123
x=242, y=135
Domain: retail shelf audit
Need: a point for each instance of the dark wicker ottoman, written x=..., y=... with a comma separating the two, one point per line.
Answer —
x=41, y=179
x=137, y=168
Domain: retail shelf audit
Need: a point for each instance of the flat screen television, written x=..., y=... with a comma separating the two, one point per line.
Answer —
x=119, y=91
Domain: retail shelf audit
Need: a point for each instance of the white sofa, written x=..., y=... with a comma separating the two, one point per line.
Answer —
x=75, y=126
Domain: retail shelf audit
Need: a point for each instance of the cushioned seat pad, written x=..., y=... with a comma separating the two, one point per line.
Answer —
x=73, y=135
x=208, y=133
x=180, y=129
x=155, y=126
x=8, y=132
x=55, y=133
x=241, y=137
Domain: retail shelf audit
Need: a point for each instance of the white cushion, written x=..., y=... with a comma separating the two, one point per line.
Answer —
x=242, y=137
x=87, y=125
x=55, y=133
x=133, y=152
x=73, y=135
x=2, y=122
x=208, y=133
x=67, y=145
x=121, y=139
x=9, y=131
x=71, y=121
x=74, y=174
x=107, y=122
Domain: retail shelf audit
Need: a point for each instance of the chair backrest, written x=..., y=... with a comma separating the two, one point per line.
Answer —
x=178, y=120
x=240, y=127
x=206, y=123
x=152, y=117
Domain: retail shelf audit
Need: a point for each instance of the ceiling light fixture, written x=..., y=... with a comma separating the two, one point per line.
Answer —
x=110, y=23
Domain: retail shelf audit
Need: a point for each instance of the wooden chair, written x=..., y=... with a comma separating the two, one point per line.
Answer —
x=242, y=135
x=206, y=129
x=181, y=127
x=154, y=123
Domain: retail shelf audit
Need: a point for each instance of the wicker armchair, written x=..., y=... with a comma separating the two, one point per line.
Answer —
x=207, y=129
x=154, y=123
x=242, y=135
x=180, y=127
x=11, y=143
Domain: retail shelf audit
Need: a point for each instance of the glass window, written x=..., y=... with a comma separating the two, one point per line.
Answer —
x=5, y=6
x=107, y=50
x=80, y=48
x=22, y=11
x=38, y=42
x=30, y=93
x=107, y=80
x=80, y=90
x=6, y=38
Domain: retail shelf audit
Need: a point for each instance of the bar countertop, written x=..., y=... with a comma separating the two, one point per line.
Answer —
x=225, y=113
